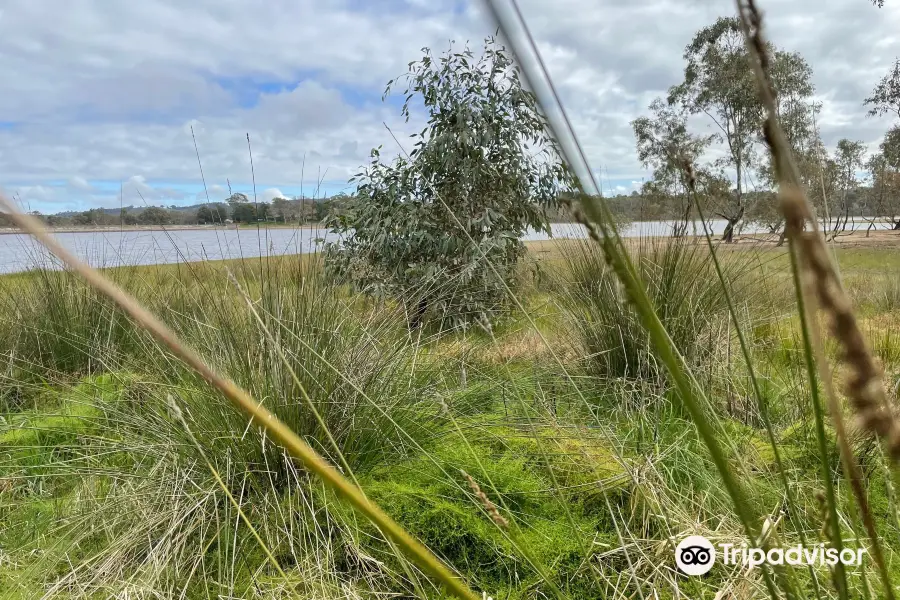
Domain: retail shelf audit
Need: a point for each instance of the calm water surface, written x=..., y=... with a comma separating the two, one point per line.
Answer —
x=112, y=248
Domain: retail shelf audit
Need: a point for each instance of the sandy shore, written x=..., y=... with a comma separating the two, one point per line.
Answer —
x=881, y=238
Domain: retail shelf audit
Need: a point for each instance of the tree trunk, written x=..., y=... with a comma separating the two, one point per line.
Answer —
x=728, y=235
x=681, y=228
x=418, y=316
x=781, y=237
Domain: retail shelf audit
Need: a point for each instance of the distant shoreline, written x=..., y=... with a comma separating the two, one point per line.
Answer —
x=315, y=226
x=120, y=228
x=123, y=228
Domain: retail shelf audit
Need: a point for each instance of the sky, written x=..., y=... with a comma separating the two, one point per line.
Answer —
x=99, y=101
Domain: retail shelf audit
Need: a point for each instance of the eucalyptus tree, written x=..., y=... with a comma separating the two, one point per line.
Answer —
x=665, y=145
x=237, y=198
x=890, y=147
x=877, y=205
x=885, y=98
x=719, y=83
x=439, y=228
x=883, y=169
x=849, y=157
x=792, y=78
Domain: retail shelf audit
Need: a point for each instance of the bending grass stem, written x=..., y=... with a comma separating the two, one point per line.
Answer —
x=258, y=413
x=594, y=218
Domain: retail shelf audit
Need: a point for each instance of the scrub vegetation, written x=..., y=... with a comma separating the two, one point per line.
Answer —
x=494, y=418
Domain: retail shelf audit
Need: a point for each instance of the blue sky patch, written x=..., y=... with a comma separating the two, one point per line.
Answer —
x=247, y=91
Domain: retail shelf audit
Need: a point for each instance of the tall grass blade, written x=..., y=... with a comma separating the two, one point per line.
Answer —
x=597, y=218
x=258, y=414
x=764, y=411
x=865, y=389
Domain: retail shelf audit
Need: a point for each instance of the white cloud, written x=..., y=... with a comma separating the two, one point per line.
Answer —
x=270, y=194
x=80, y=184
x=35, y=193
x=135, y=190
x=111, y=97
x=216, y=193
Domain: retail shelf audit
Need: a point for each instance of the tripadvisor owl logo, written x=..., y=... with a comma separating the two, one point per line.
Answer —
x=695, y=555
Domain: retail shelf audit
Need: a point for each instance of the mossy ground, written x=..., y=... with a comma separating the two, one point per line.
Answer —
x=593, y=485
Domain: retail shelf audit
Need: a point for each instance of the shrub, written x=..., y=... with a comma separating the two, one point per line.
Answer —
x=440, y=229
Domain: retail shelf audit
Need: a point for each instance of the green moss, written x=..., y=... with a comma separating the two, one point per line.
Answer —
x=39, y=449
x=75, y=413
x=431, y=497
x=762, y=456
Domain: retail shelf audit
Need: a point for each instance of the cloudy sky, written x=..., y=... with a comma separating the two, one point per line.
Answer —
x=100, y=95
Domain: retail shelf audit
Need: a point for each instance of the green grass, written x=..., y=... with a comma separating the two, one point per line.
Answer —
x=597, y=473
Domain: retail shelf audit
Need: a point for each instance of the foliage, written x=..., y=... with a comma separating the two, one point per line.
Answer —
x=303, y=210
x=719, y=83
x=104, y=449
x=848, y=159
x=792, y=78
x=237, y=198
x=521, y=466
x=347, y=364
x=154, y=215
x=440, y=228
x=105, y=493
x=664, y=143
x=885, y=98
x=249, y=212
x=213, y=213
x=883, y=195
x=890, y=147
x=94, y=216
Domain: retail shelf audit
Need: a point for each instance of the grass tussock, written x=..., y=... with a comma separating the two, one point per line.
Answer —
x=683, y=289
x=639, y=393
x=103, y=491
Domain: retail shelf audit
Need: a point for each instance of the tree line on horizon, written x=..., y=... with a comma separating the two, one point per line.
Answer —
x=237, y=208
x=719, y=90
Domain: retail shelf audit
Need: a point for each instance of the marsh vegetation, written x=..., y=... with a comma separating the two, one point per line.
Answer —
x=548, y=424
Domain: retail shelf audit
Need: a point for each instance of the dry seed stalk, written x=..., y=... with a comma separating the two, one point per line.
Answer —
x=489, y=506
x=863, y=387
x=824, y=530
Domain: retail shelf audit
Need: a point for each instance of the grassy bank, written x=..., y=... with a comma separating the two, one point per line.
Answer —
x=547, y=457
